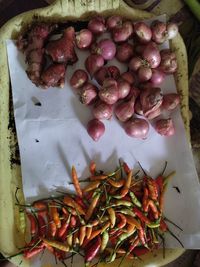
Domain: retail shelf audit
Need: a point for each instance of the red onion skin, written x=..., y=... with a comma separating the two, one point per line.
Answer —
x=124, y=52
x=123, y=88
x=170, y=101
x=122, y=33
x=151, y=54
x=78, y=79
x=144, y=74
x=128, y=76
x=135, y=63
x=165, y=127
x=137, y=128
x=113, y=22
x=172, y=30
x=159, y=32
x=102, y=111
x=97, y=25
x=93, y=63
x=133, y=92
x=88, y=94
x=154, y=114
x=106, y=48
x=114, y=72
x=84, y=39
x=139, y=49
x=151, y=99
x=157, y=77
x=95, y=129
x=125, y=110
x=168, y=62
x=101, y=75
x=143, y=32
x=109, y=92
x=138, y=107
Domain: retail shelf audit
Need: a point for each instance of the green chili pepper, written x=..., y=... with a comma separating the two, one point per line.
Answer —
x=127, y=212
x=124, y=236
x=155, y=224
x=104, y=241
x=111, y=258
x=135, y=200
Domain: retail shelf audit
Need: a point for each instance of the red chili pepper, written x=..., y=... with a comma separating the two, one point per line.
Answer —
x=144, y=199
x=163, y=226
x=127, y=198
x=62, y=230
x=52, y=227
x=80, y=202
x=92, y=167
x=73, y=221
x=88, y=196
x=92, y=249
x=34, y=251
x=159, y=182
x=152, y=186
x=33, y=223
x=140, y=251
x=42, y=227
x=41, y=207
x=141, y=236
x=141, y=216
x=134, y=244
x=122, y=222
x=126, y=167
x=154, y=209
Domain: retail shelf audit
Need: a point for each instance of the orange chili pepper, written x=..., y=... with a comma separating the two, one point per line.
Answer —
x=52, y=227
x=41, y=207
x=71, y=203
x=126, y=167
x=152, y=186
x=55, y=215
x=88, y=232
x=127, y=184
x=133, y=221
x=56, y=244
x=98, y=177
x=95, y=233
x=92, y=206
x=64, y=226
x=105, y=227
x=91, y=186
x=130, y=228
x=145, y=200
x=154, y=209
x=82, y=234
x=92, y=167
x=76, y=182
x=122, y=222
x=117, y=184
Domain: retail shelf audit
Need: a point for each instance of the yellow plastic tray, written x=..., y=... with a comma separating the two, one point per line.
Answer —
x=11, y=232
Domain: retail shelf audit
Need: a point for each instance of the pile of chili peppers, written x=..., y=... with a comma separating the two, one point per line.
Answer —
x=116, y=215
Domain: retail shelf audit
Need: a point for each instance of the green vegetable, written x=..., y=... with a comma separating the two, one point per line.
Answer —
x=194, y=6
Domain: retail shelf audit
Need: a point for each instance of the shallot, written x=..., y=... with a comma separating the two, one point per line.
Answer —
x=143, y=32
x=114, y=72
x=154, y=114
x=123, y=88
x=157, y=77
x=159, y=32
x=78, y=79
x=129, y=77
x=172, y=30
x=97, y=25
x=106, y=48
x=137, y=128
x=151, y=54
x=101, y=75
x=109, y=92
x=135, y=63
x=93, y=63
x=102, y=111
x=88, y=94
x=138, y=107
x=123, y=32
x=124, y=52
x=144, y=74
x=84, y=39
x=113, y=22
x=168, y=62
x=170, y=101
x=95, y=129
x=125, y=110
x=165, y=127
x=133, y=92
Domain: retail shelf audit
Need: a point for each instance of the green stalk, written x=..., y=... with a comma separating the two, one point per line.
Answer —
x=194, y=6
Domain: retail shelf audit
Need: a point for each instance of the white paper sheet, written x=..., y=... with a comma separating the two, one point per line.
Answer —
x=53, y=136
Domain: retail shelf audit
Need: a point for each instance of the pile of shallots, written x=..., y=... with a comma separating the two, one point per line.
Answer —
x=133, y=96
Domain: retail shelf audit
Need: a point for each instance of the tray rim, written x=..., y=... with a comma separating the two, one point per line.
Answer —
x=9, y=30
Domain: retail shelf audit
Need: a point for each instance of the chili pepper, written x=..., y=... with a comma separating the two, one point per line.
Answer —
x=134, y=244
x=52, y=229
x=125, y=189
x=91, y=186
x=64, y=210
x=130, y=228
x=154, y=209
x=168, y=177
x=70, y=239
x=124, y=236
x=154, y=237
x=141, y=236
x=80, y=202
x=30, y=253
x=116, y=184
x=56, y=244
x=98, y=177
x=88, y=232
x=95, y=233
x=92, y=206
x=55, y=215
x=73, y=222
x=70, y=202
x=76, y=238
x=163, y=226
x=138, y=251
x=122, y=203
x=64, y=226
x=135, y=200
x=93, y=249
x=105, y=227
x=94, y=223
x=42, y=227
x=155, y=224
x=141, y=216
x=159, y=182
x=82, y=234
x=115, y=235
x=92, y=167
x=104, y=241
x=126, y=168
x=112, y=216
x=122, y=222
x=88, y=195
x=50, y=248
x=145, y=199
x=127, y=212
x=111, y=258
x=152, y=186
x=33, y=223
x=133, y=221
x=41, y=207
x=76, y=182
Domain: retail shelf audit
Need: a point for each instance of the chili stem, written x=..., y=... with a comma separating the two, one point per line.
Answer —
x=172, y=234
x=168, y=220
